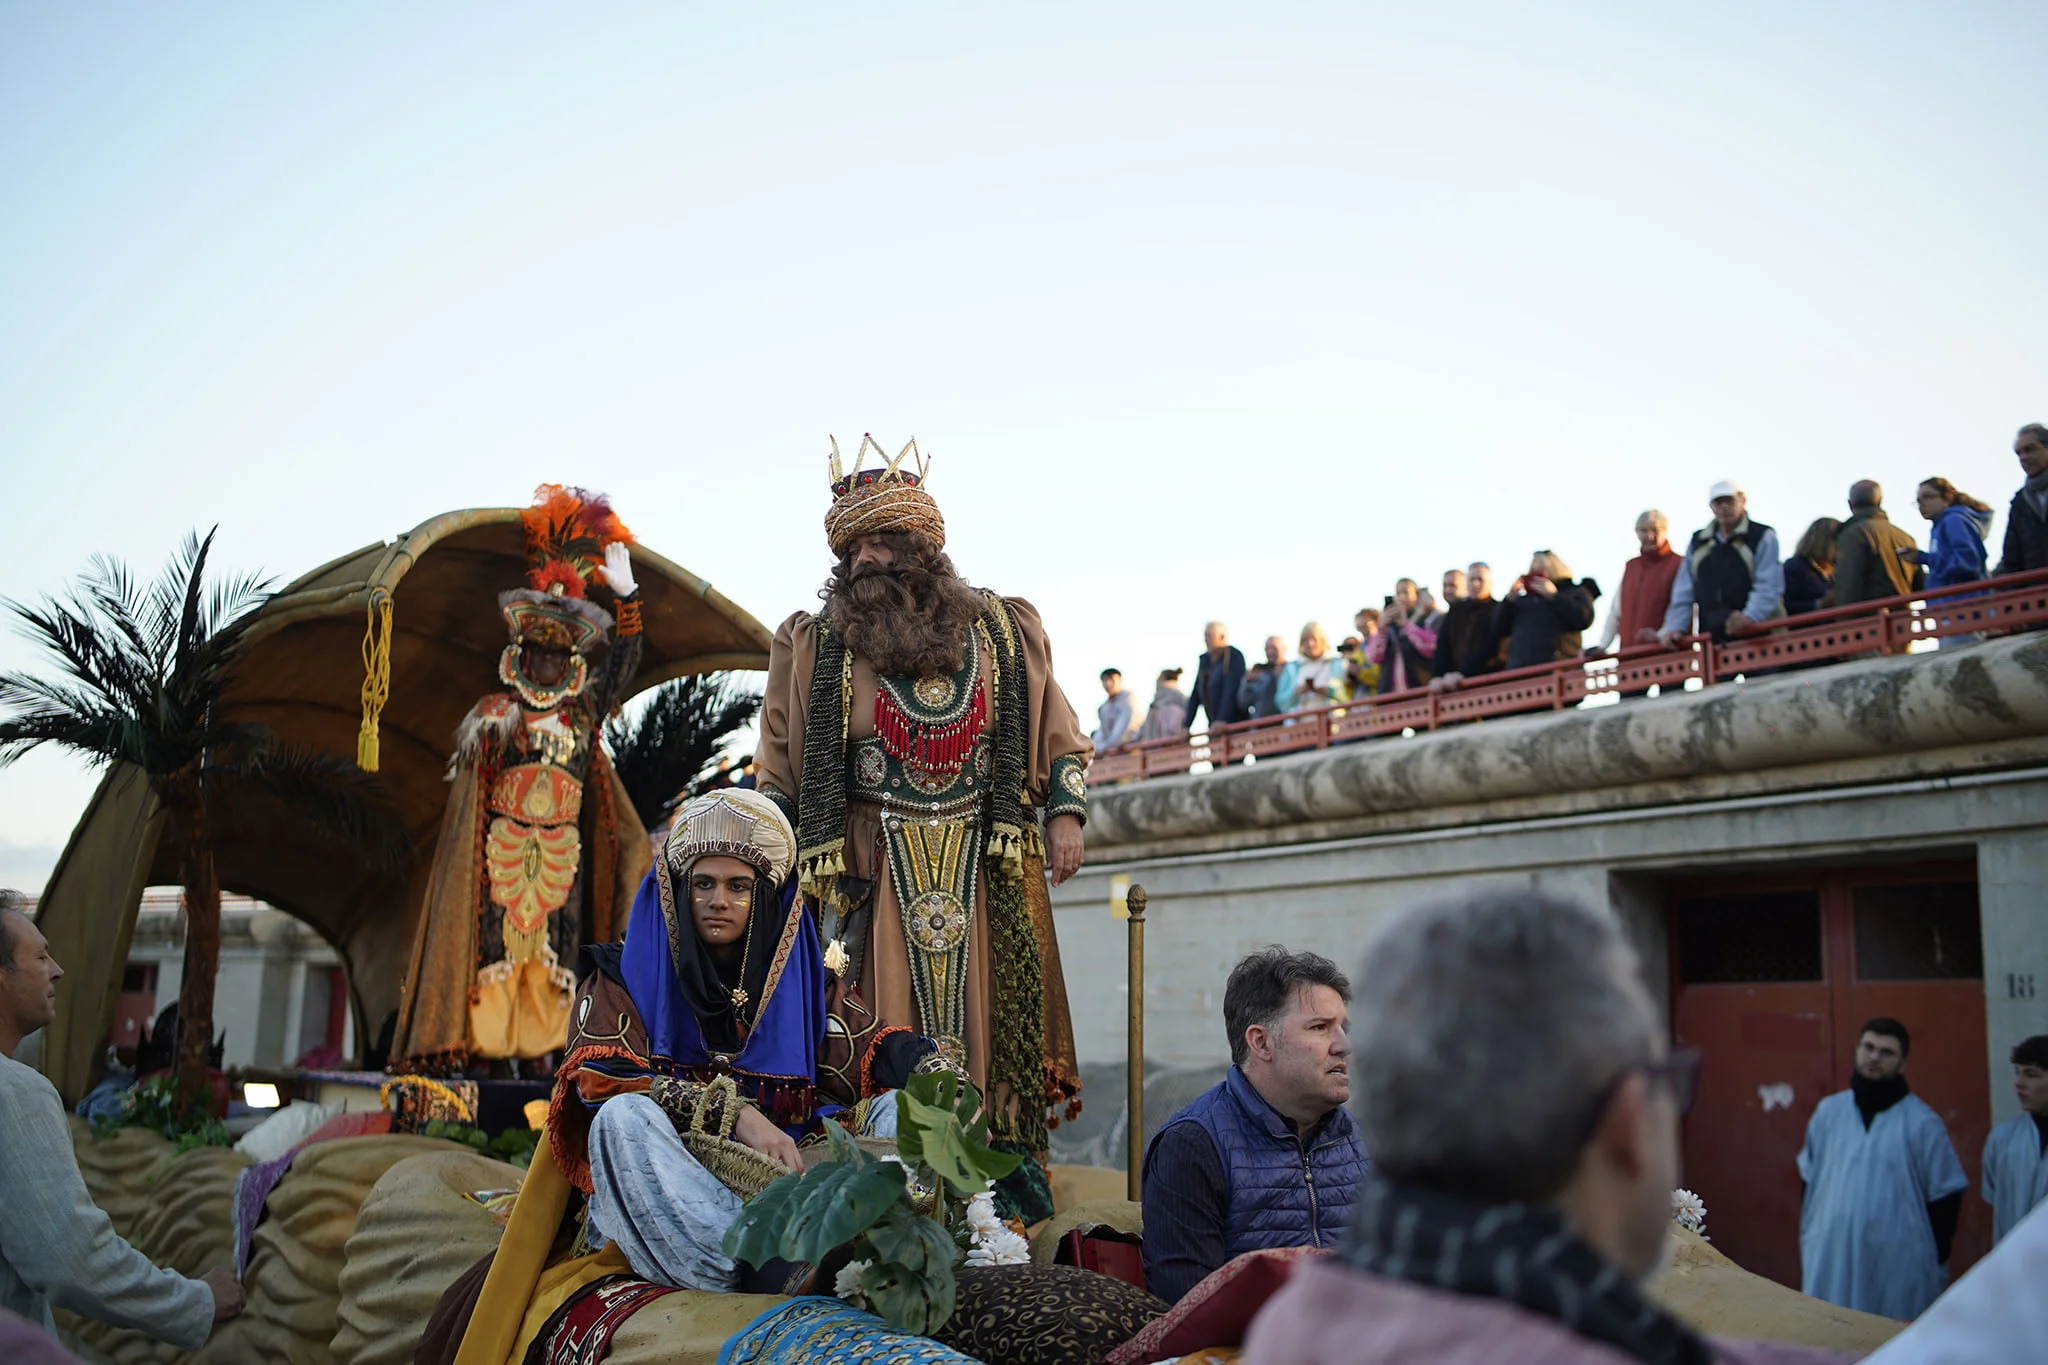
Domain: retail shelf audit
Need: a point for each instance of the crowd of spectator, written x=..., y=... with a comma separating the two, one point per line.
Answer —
x=1728, y=580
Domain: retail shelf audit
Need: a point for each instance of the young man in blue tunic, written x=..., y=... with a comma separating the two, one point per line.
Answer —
x=1883, y=1187
x=2016, y=1153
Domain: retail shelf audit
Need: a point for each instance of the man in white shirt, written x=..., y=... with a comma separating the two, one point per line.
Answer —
x=57, y=1249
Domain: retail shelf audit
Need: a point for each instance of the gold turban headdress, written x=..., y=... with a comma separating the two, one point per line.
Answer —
x=886, y=498
x=733, y=822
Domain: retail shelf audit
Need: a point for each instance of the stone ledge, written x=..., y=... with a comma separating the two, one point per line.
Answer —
x=1973, y=710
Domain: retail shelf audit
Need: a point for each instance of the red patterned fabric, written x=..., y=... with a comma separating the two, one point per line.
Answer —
x=1217, y=1311
x=582, y=1333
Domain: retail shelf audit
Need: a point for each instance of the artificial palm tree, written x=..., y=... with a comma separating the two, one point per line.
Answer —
x=143, y=671
x=673, y=741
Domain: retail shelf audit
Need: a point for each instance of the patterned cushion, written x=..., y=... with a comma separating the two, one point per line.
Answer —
x=1044, y=1314
x=1217, y=1311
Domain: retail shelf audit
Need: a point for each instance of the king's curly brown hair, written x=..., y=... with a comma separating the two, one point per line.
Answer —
x=909, y=620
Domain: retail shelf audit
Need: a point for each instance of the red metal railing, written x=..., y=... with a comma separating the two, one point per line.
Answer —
x=1888, y=626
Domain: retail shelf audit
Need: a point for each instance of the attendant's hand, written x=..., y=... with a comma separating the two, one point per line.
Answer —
x=618, y=569
x=227, y=1294
x=1668, y=638
x=756, y=1130
x=1738, y=624
x=1064, y=846
x=1649, y=635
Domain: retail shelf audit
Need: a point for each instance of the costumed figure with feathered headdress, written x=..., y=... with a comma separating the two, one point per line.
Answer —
x=539, y=849
x=913, y=733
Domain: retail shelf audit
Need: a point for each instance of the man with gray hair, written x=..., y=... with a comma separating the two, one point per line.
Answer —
x=1522, y=1108
x=1638, y=612
x=1268, y=1156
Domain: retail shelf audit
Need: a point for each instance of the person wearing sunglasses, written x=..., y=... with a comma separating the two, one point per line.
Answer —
x=1513, y=1081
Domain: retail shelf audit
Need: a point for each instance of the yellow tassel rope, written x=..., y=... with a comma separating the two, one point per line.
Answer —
x=376, y=677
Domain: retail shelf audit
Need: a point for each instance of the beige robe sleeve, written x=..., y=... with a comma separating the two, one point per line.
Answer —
x=780, y=753
x=1056, y=732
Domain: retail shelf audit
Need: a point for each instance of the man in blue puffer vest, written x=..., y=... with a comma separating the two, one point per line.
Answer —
x=1269, y=1156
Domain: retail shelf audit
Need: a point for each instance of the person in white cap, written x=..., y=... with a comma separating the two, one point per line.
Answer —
x=1731, y=572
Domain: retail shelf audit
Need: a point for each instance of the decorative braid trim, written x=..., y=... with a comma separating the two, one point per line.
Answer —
x=821, y=804
x=629, y=616
x=1068, y=792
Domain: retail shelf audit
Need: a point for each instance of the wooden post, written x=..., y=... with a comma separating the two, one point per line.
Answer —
x=1134, y=1045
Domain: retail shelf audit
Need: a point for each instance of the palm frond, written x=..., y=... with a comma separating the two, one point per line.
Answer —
x=674, y=740
x=350, y=807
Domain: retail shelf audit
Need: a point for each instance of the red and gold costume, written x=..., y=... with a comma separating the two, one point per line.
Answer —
x=540, y=850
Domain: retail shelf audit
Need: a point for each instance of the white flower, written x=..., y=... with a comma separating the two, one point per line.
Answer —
x=1688, y=1210
x=847, y=1285
x=981, y=1216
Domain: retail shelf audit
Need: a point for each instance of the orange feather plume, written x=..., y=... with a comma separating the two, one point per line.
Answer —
x=567, y=530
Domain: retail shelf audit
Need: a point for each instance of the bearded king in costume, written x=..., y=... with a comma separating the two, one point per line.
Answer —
x=540, y=850
x=914, y=734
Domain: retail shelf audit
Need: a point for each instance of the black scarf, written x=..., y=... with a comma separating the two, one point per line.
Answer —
x=709, y=985
x=1526, y=1255
x=1874, y=1097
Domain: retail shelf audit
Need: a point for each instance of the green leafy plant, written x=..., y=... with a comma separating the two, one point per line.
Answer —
x=941, y=1126
x=514, y=1145
x=165, y=1106
x=903, y=1258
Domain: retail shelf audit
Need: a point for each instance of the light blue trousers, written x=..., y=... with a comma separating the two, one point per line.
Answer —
x=667, y=1213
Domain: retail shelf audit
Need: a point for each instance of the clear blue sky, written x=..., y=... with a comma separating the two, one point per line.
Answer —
x=1205, y=310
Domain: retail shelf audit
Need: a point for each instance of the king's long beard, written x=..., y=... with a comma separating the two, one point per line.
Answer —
x=905, y=623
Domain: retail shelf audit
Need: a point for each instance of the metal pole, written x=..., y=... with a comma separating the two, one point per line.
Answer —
x=1134, y=1046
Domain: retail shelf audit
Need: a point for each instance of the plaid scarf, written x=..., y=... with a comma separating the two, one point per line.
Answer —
x=1518, y=1252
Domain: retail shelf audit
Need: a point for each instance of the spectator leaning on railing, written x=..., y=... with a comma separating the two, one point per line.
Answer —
x=1638, y=611
x=1873, y=558
x=1544, y=614
x=1404, y=646
x=1466, y=645
x=1731, y=571
x=1258, y=697
x=1114, y=722
x=1810, y=572
x=2026, y=526
x=1219, y=673
x=1168, y=716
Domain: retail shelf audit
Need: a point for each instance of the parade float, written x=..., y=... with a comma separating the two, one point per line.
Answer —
x=350, y=1237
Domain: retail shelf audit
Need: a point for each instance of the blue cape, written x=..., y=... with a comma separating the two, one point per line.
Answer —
x=783, y=1046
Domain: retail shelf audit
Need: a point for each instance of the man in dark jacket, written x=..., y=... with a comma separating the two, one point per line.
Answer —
x=1732, y=573
x=1269, y=1156
x=2026, y=529
x=1868, y=562
x=1219, y=676
x=1465, y=645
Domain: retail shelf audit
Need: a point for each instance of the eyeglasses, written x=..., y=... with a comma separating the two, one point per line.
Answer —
x=1680, y=1072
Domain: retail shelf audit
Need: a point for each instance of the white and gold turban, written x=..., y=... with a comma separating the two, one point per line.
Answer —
x=732, y=822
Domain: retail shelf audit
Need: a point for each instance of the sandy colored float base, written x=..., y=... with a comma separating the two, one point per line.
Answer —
x=1718, y=1296
x=176, y=1209
x=417, y=1231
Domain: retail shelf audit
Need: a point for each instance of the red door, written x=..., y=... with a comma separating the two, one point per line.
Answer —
x=1772, y=978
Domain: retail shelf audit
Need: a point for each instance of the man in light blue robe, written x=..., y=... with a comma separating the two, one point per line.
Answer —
x=2016, y=1153
x=1883, y=1187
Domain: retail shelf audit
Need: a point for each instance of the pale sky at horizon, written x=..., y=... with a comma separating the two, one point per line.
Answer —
x=1204, y=310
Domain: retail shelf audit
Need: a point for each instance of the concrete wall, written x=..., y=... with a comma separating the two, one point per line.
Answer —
x=1909, y=758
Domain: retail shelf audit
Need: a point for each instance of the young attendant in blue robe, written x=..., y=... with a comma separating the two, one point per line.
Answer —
x=2016, y=1154
x=1883, y=1187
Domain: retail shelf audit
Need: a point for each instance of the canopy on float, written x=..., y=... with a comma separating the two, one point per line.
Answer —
x=311, y=670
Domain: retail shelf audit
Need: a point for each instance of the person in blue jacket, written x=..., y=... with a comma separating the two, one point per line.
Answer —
x=1883, y=1187
x=1955, y=550
x=1268, y=1156
x=2016, y=1153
